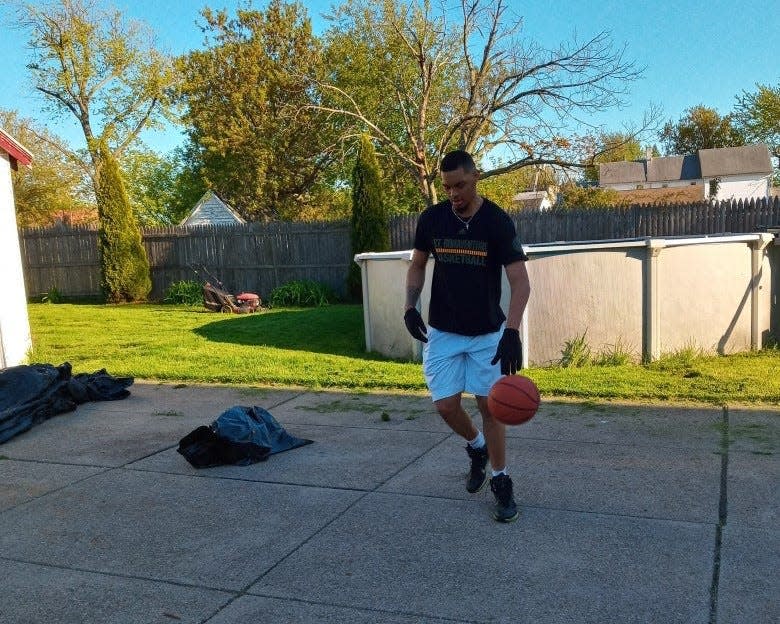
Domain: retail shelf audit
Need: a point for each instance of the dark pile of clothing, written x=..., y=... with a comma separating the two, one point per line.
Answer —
x=31, y=394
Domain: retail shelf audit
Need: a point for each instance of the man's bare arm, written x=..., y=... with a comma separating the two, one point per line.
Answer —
x=415, y=278
x=520, y=291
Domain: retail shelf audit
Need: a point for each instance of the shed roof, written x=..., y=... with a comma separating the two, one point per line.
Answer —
x=735, y=160
x=212, y=210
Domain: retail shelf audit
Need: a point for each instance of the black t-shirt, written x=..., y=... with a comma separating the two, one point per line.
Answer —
x=466, y=287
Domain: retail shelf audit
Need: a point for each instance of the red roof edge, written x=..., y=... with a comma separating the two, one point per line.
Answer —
x=15, y=149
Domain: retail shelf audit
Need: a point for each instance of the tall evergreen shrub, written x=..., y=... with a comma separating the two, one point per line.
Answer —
x=123, y=262
x=369, y=227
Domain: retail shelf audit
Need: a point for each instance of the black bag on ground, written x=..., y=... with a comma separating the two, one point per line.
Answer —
x=204, y=448
x=240, y=436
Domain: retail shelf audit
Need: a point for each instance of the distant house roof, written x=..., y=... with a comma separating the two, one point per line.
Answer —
x=669, y=168
x=14, y=149
x=735, y=160
x=621, y=172
x=707, y=163
x=211, y=210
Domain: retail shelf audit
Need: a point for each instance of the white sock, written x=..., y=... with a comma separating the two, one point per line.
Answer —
x=500, y=472
x=477, y=442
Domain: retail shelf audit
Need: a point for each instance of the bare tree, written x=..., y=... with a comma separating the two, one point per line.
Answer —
x=475, y=83
x=104, y=70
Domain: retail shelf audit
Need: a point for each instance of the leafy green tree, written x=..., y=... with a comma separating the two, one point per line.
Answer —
x=700, y=128
x=757, y=116
x=161, y=189
x=256, y=140
x=189, y=184
x=92, y=63
x=105, y=71
x=502, y=188
x=53, y=188
x=124, y=265
x=369, y=226
x=423, y=82
x=612, y=147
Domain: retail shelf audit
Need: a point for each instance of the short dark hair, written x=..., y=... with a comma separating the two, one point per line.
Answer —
x=458, y=159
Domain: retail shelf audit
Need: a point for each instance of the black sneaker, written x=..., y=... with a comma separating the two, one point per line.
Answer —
x=506, y=508
x=477, y=475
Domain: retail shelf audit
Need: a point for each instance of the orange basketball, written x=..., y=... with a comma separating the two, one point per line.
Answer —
x=513, y=399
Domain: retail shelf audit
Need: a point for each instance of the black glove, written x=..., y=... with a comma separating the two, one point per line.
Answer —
x=415, y=324
x=510, y=352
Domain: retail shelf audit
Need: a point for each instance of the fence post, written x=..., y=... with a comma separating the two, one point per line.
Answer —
x=651, y=323
x=756, y=260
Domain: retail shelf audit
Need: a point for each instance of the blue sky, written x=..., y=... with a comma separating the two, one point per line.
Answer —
x=694, y=51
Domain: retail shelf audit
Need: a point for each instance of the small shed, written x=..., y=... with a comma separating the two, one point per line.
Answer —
x=15, y=340
x=211, y=210
x=538, y=201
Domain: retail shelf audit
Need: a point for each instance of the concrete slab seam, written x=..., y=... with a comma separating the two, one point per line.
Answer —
x=584, y=512
x=135, y=577
x=51, y=462
x=424, y=616
x=137, y=459
x=58, y=489
x=287, y=400
x=722, y=516
x=202, y=475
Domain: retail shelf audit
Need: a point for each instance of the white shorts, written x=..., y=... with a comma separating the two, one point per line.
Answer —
x=453, y=363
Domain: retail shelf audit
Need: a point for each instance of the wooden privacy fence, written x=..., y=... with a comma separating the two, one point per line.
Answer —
x=252, y=257
x=259, y=257
x=736, y=217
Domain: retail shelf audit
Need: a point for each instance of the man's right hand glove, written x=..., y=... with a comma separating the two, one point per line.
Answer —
x=509, y=352
x=415, y=324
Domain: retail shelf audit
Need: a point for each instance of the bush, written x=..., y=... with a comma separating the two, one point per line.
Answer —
x=123, y=262
x=369, y=229
x=185, y=292
x=53, y=295
x=302, y=293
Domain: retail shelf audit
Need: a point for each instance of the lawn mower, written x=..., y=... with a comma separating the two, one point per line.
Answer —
x=217, y=299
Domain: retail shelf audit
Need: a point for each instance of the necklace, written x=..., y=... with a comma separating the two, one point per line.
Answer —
x=465, y=222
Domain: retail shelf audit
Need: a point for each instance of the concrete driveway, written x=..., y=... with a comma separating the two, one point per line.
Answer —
x=629, y=514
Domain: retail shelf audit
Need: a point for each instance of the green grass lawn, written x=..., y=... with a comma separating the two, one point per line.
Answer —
x=325, y=348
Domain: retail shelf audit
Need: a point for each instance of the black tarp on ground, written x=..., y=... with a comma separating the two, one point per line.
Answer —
x=241, y=436
x=31, y=394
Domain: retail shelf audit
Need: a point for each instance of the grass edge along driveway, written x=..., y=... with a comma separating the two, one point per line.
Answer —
x=321, y=348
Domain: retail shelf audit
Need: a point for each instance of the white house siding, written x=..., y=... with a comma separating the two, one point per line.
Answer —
x=741, y=187
x=670, y=184
x=15, y=339
x=626, y=186
x=646, y=185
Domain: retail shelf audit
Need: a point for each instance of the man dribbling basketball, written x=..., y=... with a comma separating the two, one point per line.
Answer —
x=470, y=238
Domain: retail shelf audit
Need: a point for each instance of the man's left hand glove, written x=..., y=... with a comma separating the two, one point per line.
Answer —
x=510, y=352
